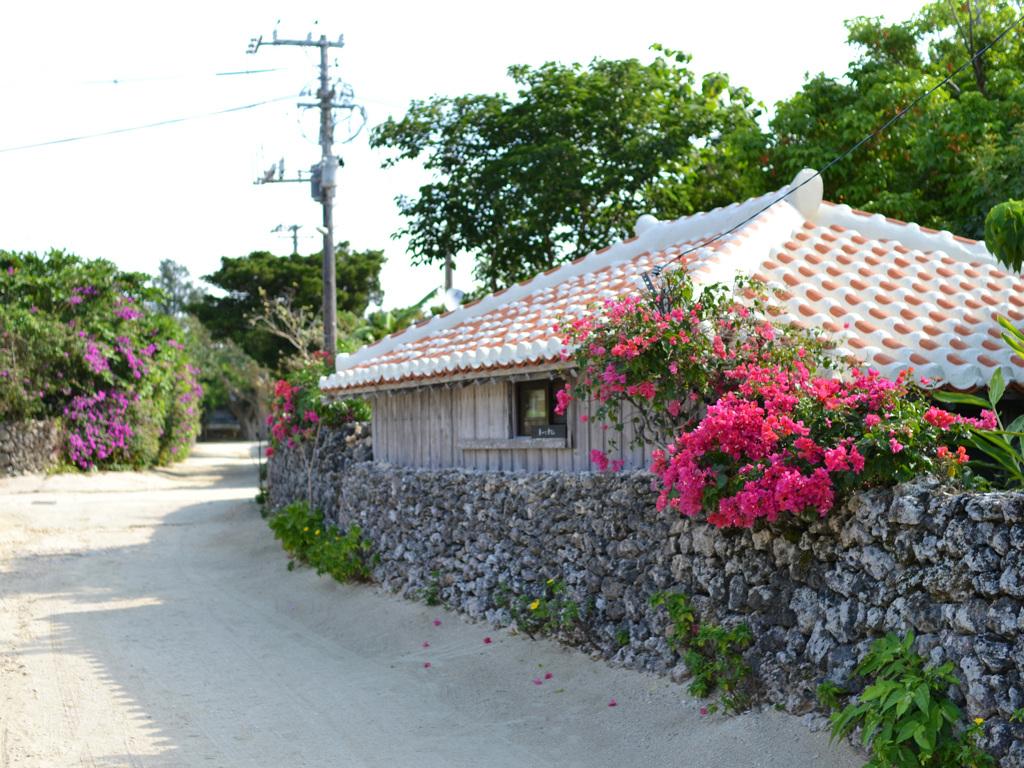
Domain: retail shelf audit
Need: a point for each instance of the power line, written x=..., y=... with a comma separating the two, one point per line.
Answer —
x=123, y=80
x=143, y=127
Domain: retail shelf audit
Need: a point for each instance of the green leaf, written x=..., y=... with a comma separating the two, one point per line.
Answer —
x=996, y=387
x=925, y=740
x=922, y=697
x=908, y=730
x=959, y=397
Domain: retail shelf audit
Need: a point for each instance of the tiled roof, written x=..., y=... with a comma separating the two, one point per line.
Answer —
x=899, y=295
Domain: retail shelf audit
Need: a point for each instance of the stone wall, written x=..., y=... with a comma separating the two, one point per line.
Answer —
x=288, y=472
x=948, y=565
x=27, y=446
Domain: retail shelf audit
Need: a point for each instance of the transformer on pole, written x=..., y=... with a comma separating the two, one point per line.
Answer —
x=323, y=177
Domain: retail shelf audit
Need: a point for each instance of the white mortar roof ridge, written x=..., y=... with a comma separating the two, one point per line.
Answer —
x=897, y=294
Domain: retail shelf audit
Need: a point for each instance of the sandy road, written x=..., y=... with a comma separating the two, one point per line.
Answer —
x=148, y=620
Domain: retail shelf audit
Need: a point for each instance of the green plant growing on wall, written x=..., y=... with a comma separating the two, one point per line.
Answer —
x=714, y=654
x=431, y=593
x=344, y=557
x=547, y=614
x=906, y=718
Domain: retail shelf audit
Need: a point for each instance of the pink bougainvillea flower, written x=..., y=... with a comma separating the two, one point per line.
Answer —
x=611, y=703
x=426, y=664
x=487, y=640
x=703, y=710
x=426, y=645
x=538, y=682
x=437, y=623
x=547, y=675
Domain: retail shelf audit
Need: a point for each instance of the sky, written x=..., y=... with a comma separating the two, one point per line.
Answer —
x=184, y=191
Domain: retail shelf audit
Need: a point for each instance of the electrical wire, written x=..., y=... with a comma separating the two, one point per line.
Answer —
x=657, y=270
x=150, y=125
x=123, y=80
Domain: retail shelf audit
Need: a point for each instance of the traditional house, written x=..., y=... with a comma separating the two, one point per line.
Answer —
x=475, y=387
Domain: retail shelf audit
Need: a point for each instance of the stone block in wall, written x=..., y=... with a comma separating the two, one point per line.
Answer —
x=28, y=447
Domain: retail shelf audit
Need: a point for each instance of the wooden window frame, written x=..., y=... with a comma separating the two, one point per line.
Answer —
x=522, y=427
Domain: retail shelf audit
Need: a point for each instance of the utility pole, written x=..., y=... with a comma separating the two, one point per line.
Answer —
x=294, y=229
x=325, y=181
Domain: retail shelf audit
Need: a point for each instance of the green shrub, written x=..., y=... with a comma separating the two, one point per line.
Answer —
x=344, y=558
x=906, y=718
x=301, y=533
x=297, y=527
x=77, y=342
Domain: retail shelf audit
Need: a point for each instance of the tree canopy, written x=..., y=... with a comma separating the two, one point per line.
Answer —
x=570, y=163
x=566, y=166
x=296, y=278
x=953, y=156
x=177, y=289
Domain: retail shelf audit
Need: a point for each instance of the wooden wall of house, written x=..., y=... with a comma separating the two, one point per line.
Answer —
x=424, y=428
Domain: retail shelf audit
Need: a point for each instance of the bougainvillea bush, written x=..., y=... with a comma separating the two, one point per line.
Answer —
x=297, y=411
x=670, y=365
x=750, y=418
x=78, y=343
x=786, y=441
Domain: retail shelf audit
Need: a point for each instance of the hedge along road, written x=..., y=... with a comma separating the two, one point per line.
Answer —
x=147, y=619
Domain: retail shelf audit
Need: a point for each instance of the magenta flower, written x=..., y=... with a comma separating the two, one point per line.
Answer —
x=538, y=682
x=426, y=664
x=426, y=645
x=487, y=640
x=611, y=703
x=547, y=675
x=437, y=623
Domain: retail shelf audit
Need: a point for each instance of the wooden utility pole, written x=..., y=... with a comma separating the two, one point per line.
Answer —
x=326, y=179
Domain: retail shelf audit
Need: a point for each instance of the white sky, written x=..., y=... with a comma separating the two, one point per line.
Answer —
x=186, y=192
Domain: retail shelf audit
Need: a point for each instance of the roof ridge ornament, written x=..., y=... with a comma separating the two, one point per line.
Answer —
x=807, y=193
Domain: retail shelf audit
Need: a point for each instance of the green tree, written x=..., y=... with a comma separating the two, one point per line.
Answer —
x=569, y=165
x=178, y=291
x=295, y=279
x=950, y=158
x=230, y=378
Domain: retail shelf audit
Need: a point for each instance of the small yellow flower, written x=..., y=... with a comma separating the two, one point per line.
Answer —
x=305, y=529
x=534, y=604
x=979, y=720
x=317, y=533
x=551, y=581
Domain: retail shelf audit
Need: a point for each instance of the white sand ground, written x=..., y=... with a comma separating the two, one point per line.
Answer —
x=148, y=620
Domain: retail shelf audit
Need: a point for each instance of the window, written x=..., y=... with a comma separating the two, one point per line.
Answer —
x=535, y=409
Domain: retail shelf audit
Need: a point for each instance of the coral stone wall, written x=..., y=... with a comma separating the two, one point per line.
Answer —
x=288, y=471
x=27, y=446
x=949, y=566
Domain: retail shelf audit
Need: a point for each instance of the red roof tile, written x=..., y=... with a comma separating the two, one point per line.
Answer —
x=823, y=261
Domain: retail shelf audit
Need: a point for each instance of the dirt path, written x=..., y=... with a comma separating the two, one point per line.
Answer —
x=148, y=620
